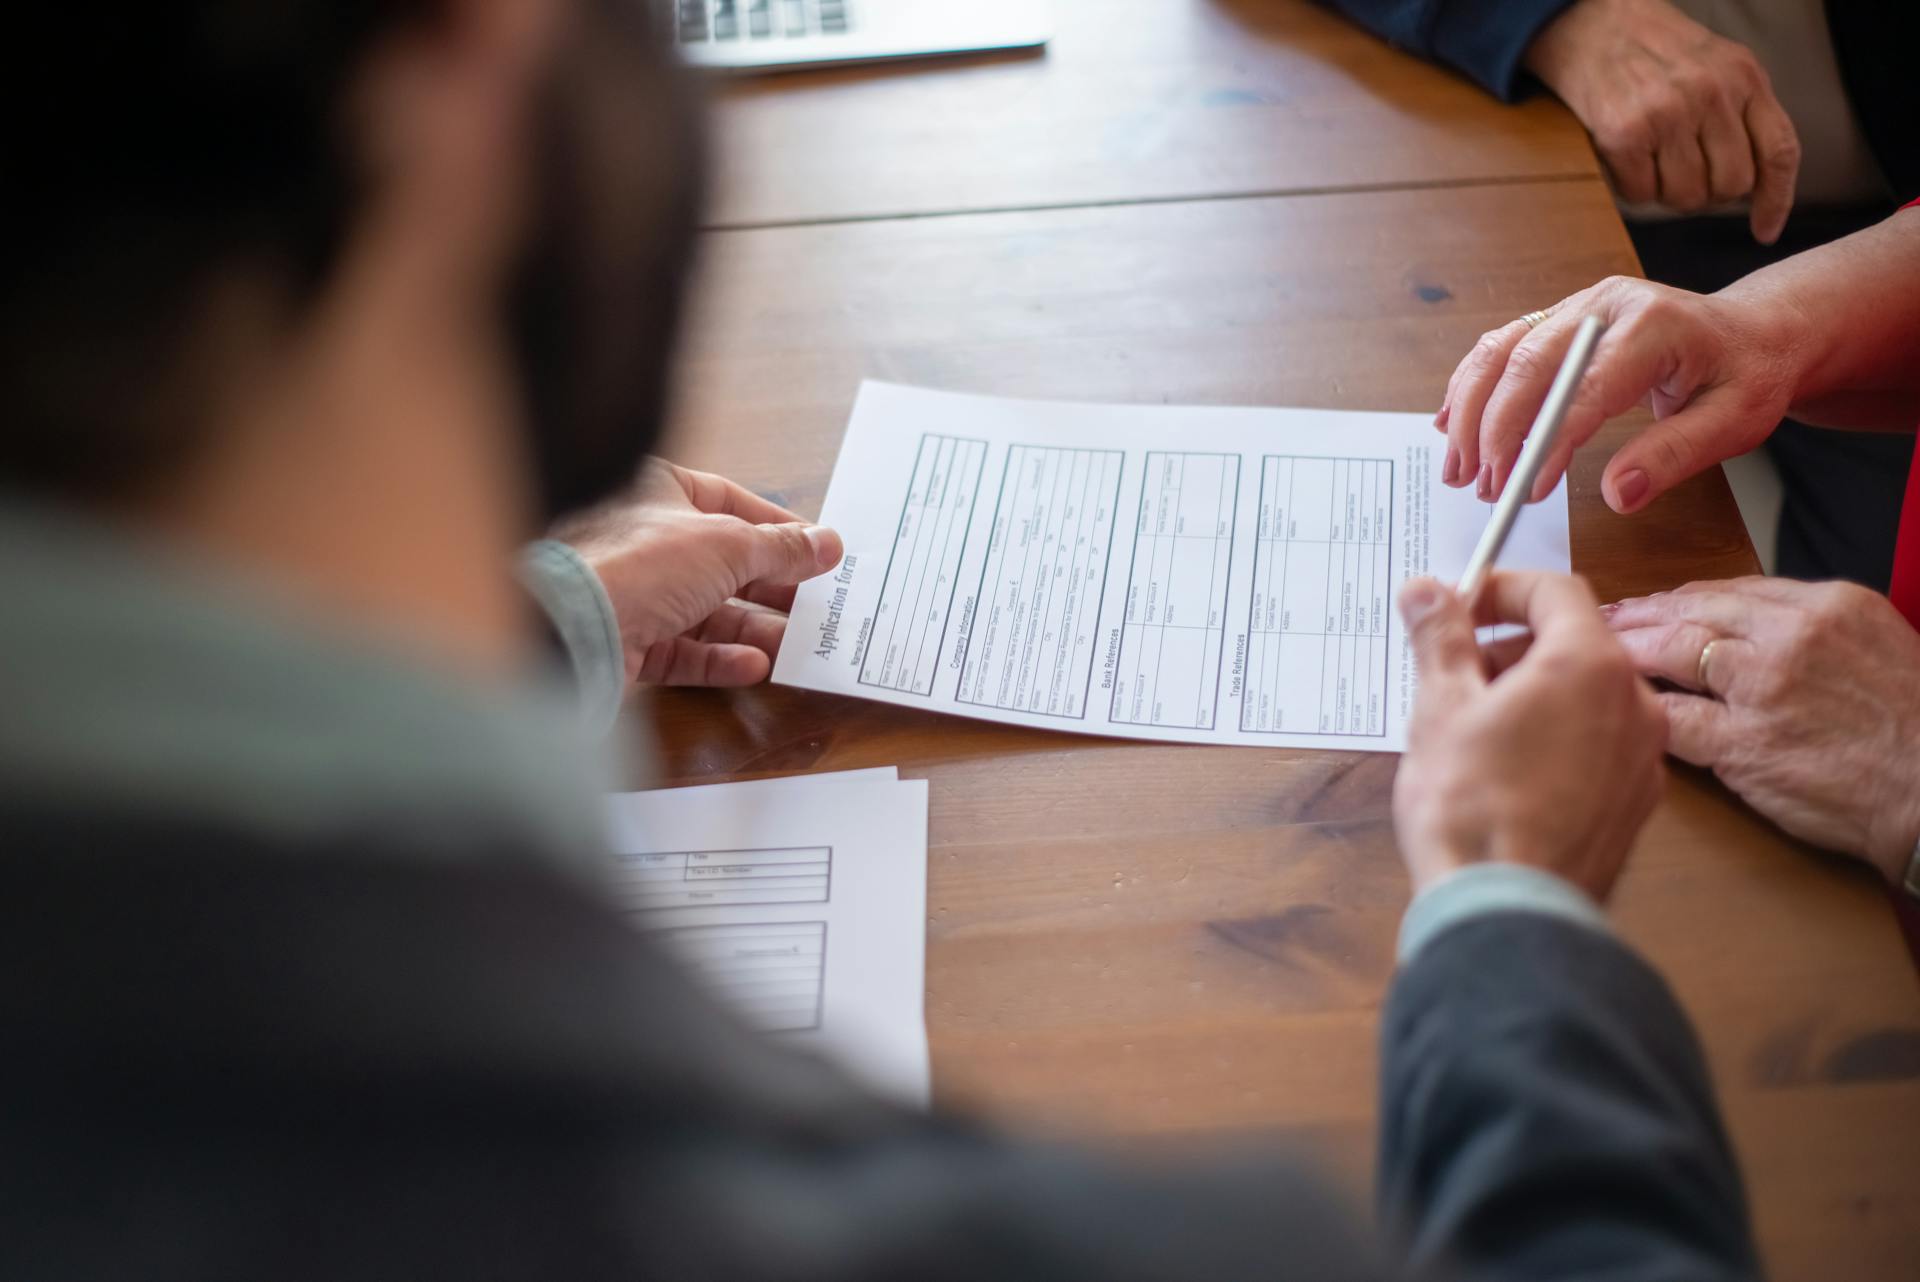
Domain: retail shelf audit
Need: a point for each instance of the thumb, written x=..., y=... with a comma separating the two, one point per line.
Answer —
x=788, y=552
x=1709, y=430
x=1442, y=634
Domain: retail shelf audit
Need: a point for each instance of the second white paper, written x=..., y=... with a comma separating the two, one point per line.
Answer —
x=1196, y=574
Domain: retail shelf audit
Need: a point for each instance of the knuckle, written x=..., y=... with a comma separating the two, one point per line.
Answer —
x=1629, y=137
x=733, y=535
x=1656, y=310
x=1579, y=585
x=1587, y=668
x=1527, y=364
x=1708, y=92
x=1668, y=113
x=1839, y=601
x=1782, y=153
x=1672, y=455
x=1486, y=351
x=1623, y=284
x=790, y=542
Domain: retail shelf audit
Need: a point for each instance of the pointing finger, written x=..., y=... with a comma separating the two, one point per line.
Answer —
x=1776, y=153
x=718, y=496
x=1479, y=373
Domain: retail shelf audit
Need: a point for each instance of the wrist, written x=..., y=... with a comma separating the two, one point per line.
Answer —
x=1895, y=841
x=1778, y=328
x=1487, y=887
x=1553, y=55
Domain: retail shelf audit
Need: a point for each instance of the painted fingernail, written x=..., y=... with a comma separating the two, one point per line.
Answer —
x=1632, y=488
x=1450, y=470
x=1485, y=487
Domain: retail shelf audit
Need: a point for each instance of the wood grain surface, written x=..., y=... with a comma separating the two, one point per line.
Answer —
x=1132, y=100
x=1148, y=943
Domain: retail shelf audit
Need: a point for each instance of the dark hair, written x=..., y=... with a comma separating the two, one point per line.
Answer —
x=154, y=149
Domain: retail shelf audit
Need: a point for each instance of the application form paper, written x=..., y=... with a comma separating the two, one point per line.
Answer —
x=799, y=903
x=1205, y=575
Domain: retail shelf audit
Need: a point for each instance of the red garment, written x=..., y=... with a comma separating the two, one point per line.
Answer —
x=1905, y=594
x=1905, y=591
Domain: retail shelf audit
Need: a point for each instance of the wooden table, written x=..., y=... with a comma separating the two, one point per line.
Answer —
x=1132, y=100
x=1128, y=940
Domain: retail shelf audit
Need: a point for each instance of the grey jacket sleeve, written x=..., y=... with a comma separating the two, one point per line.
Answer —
x=1546, y=1113
x=1482, y=39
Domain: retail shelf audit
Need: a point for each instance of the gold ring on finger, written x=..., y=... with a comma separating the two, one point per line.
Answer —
x=1700, y=667
x=1534, y=318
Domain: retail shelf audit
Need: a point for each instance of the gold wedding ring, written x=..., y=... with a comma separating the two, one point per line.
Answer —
x=1700, y=668
x=1533, y=318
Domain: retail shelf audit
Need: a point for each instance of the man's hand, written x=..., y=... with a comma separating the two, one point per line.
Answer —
x=1808, y=705
x=1548, y=755
x=1718, y=371
x=674, y=552
x=1678, y=114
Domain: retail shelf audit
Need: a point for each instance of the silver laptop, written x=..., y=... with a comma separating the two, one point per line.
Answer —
x=766, y=35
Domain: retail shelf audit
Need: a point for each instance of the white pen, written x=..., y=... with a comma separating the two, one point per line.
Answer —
x=1546, y=426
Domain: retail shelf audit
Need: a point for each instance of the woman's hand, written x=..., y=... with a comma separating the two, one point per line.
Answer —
x=673, y=554
x=1545, y=752
x=1717, y=371
x=1807, y=705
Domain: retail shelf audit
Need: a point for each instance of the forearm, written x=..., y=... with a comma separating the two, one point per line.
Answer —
x=1846, y=320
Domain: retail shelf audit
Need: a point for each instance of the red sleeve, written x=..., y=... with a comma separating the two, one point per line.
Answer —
x=1905, y=589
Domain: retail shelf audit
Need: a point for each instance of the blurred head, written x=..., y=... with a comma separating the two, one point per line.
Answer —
x=193, y=188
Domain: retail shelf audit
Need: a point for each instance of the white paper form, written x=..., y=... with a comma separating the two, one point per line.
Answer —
x=1208, y=575
x=800, y=903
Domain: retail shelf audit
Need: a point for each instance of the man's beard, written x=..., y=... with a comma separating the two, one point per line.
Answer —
x=593, y=305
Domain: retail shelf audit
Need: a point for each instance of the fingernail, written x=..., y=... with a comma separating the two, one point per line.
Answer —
x=1450, y=470
x=1418, y=599
x=1607, y=609
x=1440, y=419
x=1485, y=487
x=1631, y=488
x=820, y=540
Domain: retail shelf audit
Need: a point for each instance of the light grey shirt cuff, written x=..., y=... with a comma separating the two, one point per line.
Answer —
x=1479, y=889
x=577, y=604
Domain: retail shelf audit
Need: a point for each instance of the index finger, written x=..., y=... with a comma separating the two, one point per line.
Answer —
x=1776, y=157
x=1556, y=607
x=716, y=495
x=1510, y=412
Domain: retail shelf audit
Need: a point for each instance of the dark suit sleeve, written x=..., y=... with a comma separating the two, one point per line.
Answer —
x=1483, y=39
x=327, y=1061
x=1546, y=1113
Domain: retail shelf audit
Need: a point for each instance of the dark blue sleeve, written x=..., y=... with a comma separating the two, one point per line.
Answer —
x=1482, y=39
x=1546, y=1113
